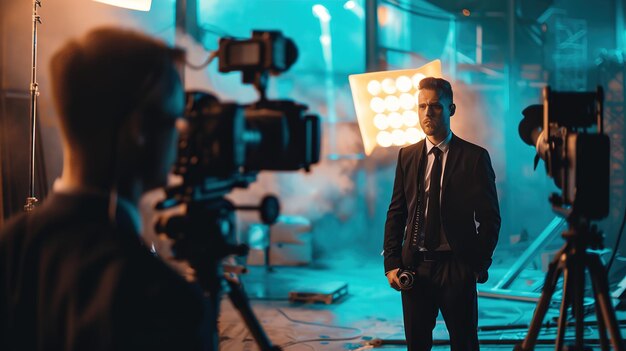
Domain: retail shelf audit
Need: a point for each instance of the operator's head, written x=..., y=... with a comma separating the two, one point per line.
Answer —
x=118, y=95
x=435, y=107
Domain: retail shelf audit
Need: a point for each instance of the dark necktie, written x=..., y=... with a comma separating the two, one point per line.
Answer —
x=433, y=217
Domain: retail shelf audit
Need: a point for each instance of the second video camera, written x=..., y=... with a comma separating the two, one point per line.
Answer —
x=567, y=131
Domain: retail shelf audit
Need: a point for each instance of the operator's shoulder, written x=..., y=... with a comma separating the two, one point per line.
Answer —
x=13, y=228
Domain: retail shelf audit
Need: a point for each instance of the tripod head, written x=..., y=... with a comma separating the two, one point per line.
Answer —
x=205, y=234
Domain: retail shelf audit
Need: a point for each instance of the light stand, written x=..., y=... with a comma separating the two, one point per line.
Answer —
x=31, y=200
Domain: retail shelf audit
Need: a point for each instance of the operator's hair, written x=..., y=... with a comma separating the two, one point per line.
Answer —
x=101, y=79
x=439, y=85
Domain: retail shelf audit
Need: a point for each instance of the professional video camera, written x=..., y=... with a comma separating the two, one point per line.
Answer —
x=567, y=131
x=225, y=146
x=575, y=157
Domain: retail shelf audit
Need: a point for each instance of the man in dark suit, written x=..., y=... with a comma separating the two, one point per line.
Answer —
x=74, y=274
x=443, y=223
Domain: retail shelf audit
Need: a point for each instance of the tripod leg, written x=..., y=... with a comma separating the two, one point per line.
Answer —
x=549, y=286
x=211, y=310
x=240, y=301
x=562, y=323
x=600, y=280
x=578, y=289
x=604, y=341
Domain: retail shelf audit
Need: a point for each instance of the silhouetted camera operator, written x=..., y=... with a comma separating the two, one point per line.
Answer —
x=74, y=274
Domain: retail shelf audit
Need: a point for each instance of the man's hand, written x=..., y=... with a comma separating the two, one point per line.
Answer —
x=392, y=277
x=481, y=277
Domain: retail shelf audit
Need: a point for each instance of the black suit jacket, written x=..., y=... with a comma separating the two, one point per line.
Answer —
x=468, y=195
x=72, y=280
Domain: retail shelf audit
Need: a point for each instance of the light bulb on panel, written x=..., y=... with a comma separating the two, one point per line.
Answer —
x=395, y=120
x=373, y=87
x=384, y=139
x=377, y=105
x=380, y=121
x=392, y=103
x=403, y=83
x=389, y=86
x=410, y=118
x=398, y=137
x=417, y=78
x=407, y=101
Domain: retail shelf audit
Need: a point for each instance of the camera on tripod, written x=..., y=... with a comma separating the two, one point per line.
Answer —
x=567, y=131
x=224, y=146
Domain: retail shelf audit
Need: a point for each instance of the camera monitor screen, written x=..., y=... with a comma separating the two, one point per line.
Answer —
x=573, y=109
x=244, y=54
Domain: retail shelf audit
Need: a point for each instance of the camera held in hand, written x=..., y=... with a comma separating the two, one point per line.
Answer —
x=406, y=279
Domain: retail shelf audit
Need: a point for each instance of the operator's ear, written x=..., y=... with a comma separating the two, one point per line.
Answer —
x=131, y=132
x=452, y=109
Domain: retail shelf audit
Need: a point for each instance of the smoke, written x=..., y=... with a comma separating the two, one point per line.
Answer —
x=341, y=194
x=345, y=196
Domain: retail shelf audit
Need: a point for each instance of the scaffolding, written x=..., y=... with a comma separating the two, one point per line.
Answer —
x=570, y=54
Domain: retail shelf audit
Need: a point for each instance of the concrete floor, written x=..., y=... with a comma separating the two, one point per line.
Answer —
x=371, y=310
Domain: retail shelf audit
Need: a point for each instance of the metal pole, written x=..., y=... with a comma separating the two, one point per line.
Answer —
x=31, y=200
x=372, y=59
x=620, y=38
x=187, y=18
x=453, y=48
x=526, y=257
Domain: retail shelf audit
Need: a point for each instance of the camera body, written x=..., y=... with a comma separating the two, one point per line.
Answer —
x=406, y=278
x=226, y=144
x=577, y=159
x=567, y=132
x=227, y=139
x=264, y=51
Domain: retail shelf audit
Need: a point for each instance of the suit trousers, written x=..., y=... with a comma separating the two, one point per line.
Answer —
x=447, y=285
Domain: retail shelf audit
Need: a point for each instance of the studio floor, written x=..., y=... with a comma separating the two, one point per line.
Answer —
x=371, y=310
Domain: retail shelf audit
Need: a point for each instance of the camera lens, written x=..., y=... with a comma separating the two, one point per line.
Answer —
x=406, y=280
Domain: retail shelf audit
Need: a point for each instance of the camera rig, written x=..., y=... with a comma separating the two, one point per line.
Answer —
x=568, y=134
x=567, y=131
x=224, y=146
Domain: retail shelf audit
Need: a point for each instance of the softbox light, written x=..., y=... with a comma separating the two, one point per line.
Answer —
x=386, y=105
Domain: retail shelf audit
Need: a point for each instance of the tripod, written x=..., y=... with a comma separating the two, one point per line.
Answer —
x=571, y=261
x=201, y=237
